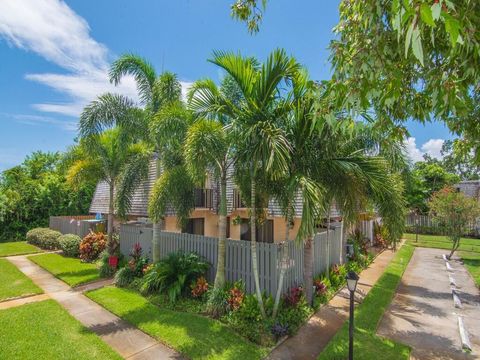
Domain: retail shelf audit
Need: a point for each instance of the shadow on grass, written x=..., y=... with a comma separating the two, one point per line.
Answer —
x=195, y=336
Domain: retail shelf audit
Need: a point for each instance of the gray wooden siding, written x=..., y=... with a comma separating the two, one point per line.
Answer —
x=238, y=255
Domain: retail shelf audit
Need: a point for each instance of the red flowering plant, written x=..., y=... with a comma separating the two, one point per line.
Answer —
x=235, y=298
x=138, y=262
x=293, y=296
x=199, y=287
x=320, y=287
x=92, y=245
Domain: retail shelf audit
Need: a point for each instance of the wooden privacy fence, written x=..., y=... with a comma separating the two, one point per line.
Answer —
x=366, y=227
x=426, y=224
x=79, y=225
x=238, y=255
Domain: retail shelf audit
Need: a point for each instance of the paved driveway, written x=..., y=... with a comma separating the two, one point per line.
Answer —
x=423, y=314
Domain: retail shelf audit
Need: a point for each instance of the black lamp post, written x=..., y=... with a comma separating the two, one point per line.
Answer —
x=352, y=280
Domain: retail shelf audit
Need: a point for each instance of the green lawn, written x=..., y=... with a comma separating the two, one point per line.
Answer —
x=71, y=270
x=195, y=336
x=44, y=330
x=17, y=248
x=442, y=242
x=367, y=345
x=14, y=283
x=469, y=250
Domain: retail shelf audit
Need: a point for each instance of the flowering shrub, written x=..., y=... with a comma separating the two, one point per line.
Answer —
x=92, y=245
x=235, y=298
x=320, y=287
x=199, y=287
x=44, y=238
x=293, y=296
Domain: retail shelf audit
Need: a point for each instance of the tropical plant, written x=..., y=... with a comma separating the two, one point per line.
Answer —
x=156, y=92
x=209, y=146
x=92, y=246
x=70, y=244
x=454, y=212
x=113, y=158
x=174, y=274
x=259, y=140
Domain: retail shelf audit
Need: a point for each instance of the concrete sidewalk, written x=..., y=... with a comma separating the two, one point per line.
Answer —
x=312, y=338
x=127, y=340
x=423, y=314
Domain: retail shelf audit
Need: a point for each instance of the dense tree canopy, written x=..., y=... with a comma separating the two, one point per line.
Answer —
x=37, y=189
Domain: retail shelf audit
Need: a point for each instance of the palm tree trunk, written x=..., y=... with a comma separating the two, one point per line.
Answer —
x=111, y=210
x=253, y=246
x=283, y=269
x=222, y=234
x=328, y=243
x=157, y=226
x=308, y=269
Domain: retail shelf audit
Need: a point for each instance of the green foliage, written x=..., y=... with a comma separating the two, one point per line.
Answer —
x=174, y=274
x=124, y=277
x=70, y=244
x=92, y=246
x=44, y=238
x=35, y=190
x=454, y=212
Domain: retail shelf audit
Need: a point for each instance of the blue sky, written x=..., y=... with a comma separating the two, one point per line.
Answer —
x=54, y=57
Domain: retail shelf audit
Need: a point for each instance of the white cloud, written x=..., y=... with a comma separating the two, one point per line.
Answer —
x=36, y=120
x=51, y=29
x=412, y=150
x=432, y=147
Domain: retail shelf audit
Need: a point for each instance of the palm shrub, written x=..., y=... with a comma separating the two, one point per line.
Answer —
x=70, y=244
x=174, y=274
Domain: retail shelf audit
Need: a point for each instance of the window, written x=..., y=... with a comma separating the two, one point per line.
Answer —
x=264, y=231
x=195, y=226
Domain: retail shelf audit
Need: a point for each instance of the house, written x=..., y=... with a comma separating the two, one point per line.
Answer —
x=204, y=218
x=470, y=188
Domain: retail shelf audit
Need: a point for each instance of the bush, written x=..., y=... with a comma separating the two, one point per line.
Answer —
x=44, y=238
x=104, y=267
x=293, y=296
x=124, y=277
x=92, y=245
x=199, y=287
x=217, y=303
x=174, y=274
x=70, y=244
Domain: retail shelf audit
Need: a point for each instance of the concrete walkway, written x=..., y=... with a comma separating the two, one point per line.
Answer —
x=127, y=340
x=423, y=314
x=312, y=338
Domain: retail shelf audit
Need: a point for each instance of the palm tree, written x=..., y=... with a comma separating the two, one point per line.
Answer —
x=110, y=157
x=209, y=146
x=155, y=92
x=259, y=140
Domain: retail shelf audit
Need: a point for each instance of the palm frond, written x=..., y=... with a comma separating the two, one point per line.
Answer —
x=141, y=70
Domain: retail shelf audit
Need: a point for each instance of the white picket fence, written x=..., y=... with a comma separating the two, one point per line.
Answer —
x=238, y=255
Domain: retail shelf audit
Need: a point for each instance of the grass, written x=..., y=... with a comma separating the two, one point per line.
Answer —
x=14, y=283
x=71, y=270
x=442, y=242
x=367, y=345
x=43, y=330
x=17, y=248
x=195, y=336
x=469, y=250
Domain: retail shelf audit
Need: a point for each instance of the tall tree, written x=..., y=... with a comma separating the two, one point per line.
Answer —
x=155, y=92
x=112, y=158
x=259, y=141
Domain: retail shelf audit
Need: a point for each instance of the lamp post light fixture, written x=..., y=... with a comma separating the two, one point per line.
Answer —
x=352, y=280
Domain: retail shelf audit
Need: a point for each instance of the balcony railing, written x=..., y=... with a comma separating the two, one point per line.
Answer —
x=237, y=200
x=203, y=198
